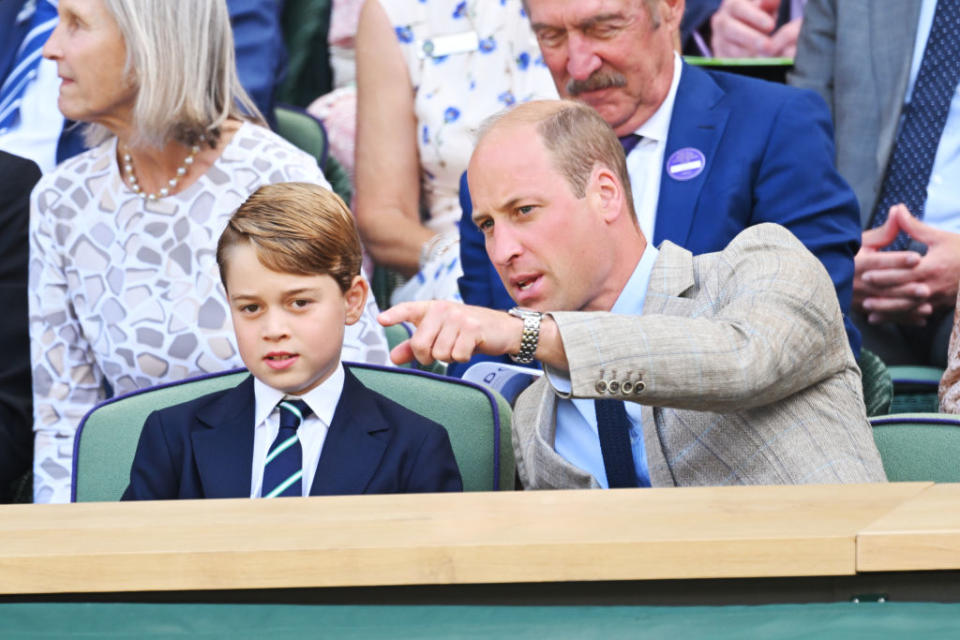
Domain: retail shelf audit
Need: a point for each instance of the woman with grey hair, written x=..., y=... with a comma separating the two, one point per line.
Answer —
x=123, y=282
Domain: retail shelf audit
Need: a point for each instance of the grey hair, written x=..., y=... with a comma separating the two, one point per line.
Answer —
x=180, y=57
x=653, y=8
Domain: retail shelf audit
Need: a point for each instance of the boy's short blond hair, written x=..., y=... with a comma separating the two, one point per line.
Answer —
x=296, y=227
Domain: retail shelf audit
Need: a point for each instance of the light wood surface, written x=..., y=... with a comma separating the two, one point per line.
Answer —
x=920, y=534
x=440, y=539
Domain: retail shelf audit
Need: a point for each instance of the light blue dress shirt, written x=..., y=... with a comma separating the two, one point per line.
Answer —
x=577, y=439
x=942, y=209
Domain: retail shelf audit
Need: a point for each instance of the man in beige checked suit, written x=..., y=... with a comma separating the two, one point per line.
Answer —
x=733, y=367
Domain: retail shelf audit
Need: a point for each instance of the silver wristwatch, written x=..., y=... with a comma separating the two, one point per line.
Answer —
x=530, y=336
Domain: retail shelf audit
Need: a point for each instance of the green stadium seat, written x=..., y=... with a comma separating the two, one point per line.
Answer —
x=919, y=446
x=477, y=420
x=915, y=389
x=305, y=132
x=877, y=384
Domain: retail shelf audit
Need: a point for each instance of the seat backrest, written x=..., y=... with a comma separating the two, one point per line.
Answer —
x=308, y=134
x=305, y=132
x=915, y=389
x=877, y=385
x=477, y=420
x=919, y=446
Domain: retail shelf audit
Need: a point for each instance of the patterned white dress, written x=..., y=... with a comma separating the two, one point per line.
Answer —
x=127, y=292
x=455, y=93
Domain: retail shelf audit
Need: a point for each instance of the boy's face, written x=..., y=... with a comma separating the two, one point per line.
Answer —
x=289, y=327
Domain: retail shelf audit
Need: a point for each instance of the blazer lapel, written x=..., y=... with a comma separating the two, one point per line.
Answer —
x=223, y=443
x=698, y=121
x=351, y=452
x=893, y=34
x=672, y=277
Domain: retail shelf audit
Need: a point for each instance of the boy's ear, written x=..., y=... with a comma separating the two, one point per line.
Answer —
x=355, y=297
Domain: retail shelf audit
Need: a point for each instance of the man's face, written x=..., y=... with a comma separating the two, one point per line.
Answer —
x=609, y=54
x=547, y=245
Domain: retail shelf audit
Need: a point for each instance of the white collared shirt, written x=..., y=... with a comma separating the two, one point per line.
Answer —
x=312, y=433
x=577, y=438
x=645, y=161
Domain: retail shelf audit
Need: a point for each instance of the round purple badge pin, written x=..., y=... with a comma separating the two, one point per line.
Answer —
x=686, y=164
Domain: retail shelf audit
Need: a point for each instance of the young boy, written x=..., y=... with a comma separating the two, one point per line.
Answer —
x=301, y=424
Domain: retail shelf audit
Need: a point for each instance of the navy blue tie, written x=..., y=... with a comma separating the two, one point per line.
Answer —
x=911, y=162
x=25, y=66
x=629, y=141
x=283, y=469
x=613, y=426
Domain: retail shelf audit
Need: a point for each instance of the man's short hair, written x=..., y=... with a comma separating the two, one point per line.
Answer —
x=575, y=136
x=296, y=227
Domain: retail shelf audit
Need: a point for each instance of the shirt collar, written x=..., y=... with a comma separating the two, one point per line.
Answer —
x=631, y=299
x=322, y=399
x=657, y=126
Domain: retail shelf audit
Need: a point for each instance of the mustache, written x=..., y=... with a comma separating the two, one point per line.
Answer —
x=598, y=80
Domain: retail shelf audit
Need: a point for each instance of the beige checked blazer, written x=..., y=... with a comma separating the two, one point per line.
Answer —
x=741, y=362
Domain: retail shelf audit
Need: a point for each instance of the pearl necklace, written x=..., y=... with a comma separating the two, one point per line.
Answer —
x=172, y=183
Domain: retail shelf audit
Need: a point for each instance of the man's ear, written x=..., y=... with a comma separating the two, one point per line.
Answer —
x=605, y=193
x=355, y=298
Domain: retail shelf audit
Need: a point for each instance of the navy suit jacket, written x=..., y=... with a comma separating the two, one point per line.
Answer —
x=204, y=449
x=16, y=400
x=769, y=158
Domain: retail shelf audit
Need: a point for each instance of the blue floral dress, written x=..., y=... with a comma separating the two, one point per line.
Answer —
x=467, y=60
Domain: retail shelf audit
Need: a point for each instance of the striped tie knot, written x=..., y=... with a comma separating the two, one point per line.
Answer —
x=283, y=468
x=292, y=413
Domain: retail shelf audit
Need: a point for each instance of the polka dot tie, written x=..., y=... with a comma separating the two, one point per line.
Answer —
x=283, y=469
x=908, y=172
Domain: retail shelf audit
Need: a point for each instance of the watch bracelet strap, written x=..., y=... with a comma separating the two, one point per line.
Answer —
x=529, y=338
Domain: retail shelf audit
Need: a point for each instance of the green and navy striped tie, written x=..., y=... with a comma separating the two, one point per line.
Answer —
x=283, y=469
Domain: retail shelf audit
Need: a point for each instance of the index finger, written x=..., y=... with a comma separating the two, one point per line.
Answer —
x=735, y=36
x=404, y=312
x=873, y=260
x=784, y=39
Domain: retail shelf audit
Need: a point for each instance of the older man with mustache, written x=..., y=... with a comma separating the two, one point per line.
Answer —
x=709, y=154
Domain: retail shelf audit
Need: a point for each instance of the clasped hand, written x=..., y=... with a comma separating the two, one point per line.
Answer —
x=747, y=29
x=905, y=286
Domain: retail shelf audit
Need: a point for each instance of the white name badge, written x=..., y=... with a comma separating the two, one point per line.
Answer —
x=449, y=44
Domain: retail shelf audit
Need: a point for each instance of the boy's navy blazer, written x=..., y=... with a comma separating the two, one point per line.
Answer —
x=204, y=448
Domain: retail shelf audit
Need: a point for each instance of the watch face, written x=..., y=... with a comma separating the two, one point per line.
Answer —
x=519, y=312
